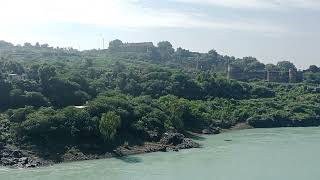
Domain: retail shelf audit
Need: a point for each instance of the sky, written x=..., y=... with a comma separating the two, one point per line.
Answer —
x=270, y=30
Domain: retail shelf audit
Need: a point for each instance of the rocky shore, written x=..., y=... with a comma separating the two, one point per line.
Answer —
x=16, y=158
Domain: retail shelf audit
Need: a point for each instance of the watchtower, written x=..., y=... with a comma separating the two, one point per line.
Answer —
x=292, y=76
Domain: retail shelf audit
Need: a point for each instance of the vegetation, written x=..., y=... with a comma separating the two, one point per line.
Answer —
x=55, y=98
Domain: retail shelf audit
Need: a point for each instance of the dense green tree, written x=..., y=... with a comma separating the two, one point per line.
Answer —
x=27, y=85
x=314, y=69
x=33, y=72
x=249, y=64
x=109, y=124
x=115, y=44
x=13, y=67
x=166, y=50
x=19, y=115
x=5, y=88
x=182, y=54
x=17, y=98
x=183, y=86
x=46, y=72
x=36, y=99
x=62, y=93
x=176, y=111
x=286, y=65
x=271, y=67
x=312, y=77
x=213, y=56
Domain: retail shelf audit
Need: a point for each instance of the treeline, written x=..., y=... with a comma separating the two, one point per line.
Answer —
x=48, y=85
x=114, y=118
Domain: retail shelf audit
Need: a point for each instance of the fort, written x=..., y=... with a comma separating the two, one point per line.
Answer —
x=143, y=47
x=291, y=76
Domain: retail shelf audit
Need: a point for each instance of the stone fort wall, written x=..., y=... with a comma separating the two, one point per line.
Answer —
x=136, y=47
x=291, y=76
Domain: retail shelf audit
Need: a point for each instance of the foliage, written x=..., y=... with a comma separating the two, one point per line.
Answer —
x=109, y=124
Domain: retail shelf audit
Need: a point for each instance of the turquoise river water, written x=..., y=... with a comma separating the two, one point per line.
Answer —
x=254, y=154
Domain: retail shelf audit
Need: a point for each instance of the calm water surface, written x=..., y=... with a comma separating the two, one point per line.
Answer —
x=256, y=154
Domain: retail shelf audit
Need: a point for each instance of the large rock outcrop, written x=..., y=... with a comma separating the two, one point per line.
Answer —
x=17, y=158
x=176, y=141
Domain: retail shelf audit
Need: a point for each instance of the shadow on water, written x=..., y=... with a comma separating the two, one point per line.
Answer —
x=194, y=136
x=130, y=159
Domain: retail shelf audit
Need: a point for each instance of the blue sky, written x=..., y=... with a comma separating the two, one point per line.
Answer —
x=271, y=30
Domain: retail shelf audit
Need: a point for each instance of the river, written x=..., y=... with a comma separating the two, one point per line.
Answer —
x=253, y=154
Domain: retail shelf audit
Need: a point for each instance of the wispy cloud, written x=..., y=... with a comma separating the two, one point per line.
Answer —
x=260, y=4
x=124, y=14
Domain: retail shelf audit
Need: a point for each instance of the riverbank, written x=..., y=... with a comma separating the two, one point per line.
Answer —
x=14, y=157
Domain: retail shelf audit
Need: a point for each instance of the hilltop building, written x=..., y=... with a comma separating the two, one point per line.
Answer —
x=141, y=47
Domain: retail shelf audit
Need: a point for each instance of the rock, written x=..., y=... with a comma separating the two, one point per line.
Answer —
x=11, y=153
x=16, y=154
x=74, y=154
x=139, y=149
x=153, y=135
x=172, y=139
x=5, y=153
x=211, y=130
x=118, y=152
x=187, y=144
x=215, y=130
x=207, y=131
x=176, y=141
x=107, y=155
x=31, y=166
x=19, y=158
x=6, y=161
x=23, y=162
x=2, y=145
x=33, y=163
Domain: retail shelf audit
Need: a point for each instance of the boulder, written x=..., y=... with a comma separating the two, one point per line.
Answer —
x=12, y=153
x=187, y=144
x=32, y=163
x=24, y=160
x=18, y=158
x=211, y=130
x=119, y=152
x=207, y=131
x=74, y=154
x=2, y=145
x=176, y=141
x=153, y=135
x=172, y=139
x=16, y=154
x=7, y=161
